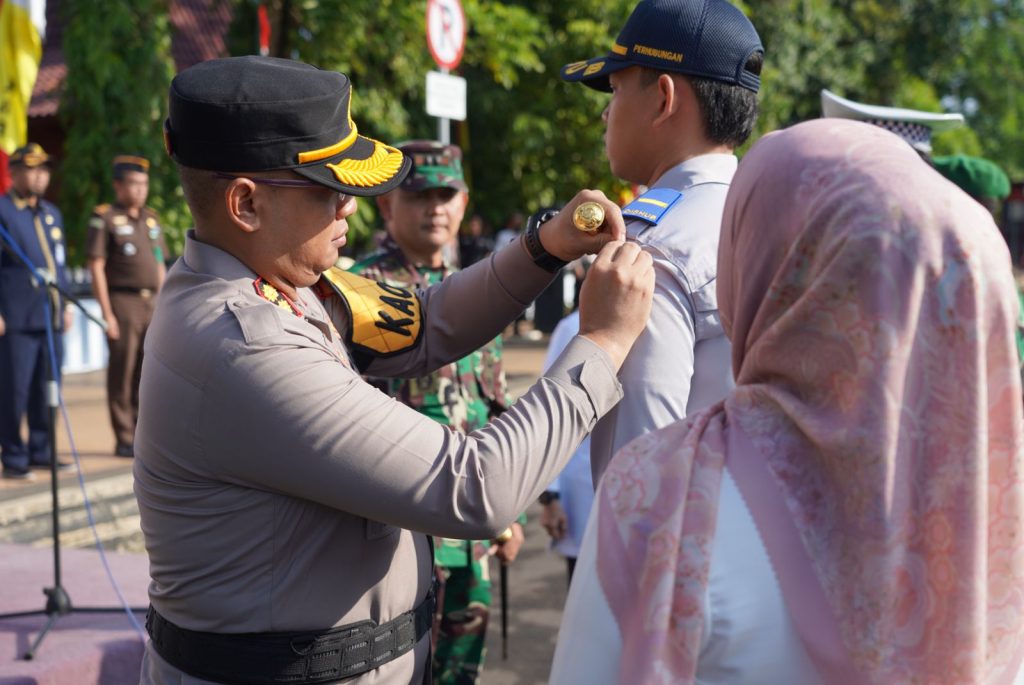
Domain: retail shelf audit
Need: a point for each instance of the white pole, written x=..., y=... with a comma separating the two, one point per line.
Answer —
x=444, y=132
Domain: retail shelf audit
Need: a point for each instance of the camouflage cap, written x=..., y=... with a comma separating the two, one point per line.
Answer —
x=975, y=176
x=434, y=165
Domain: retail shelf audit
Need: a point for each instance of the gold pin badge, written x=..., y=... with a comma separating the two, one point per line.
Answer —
x=588, y=217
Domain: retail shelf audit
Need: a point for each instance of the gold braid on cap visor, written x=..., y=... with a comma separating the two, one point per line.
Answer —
x=379, y=167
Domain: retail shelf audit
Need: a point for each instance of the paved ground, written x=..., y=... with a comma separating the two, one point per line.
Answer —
x=537, y=579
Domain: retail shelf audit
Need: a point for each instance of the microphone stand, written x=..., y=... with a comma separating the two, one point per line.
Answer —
x=58, y=602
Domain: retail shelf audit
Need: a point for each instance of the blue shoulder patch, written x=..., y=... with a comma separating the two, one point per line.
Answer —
x=652, y=205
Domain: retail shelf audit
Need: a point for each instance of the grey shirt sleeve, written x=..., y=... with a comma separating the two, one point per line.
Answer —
x=291, y=419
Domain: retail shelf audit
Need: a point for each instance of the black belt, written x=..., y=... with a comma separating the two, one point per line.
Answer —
x=299, y=658
x=144, y=292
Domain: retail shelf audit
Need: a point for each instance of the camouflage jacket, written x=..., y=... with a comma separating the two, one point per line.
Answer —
x=463, y=395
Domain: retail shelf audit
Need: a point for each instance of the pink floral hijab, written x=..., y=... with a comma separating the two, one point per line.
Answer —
x=875, y=433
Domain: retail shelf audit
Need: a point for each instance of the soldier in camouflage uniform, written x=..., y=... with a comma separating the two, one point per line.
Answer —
x=423, y=217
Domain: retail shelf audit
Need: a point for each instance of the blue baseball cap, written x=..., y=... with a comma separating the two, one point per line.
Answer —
x=706, y=38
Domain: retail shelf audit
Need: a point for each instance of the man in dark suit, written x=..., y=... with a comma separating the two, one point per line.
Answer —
x=37, y=230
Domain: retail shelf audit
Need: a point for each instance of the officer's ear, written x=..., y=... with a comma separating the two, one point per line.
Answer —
x=669, y=94
x=242, y=204
x=384, y=206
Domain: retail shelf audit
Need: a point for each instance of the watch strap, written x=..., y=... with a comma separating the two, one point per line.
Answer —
x=531, y=239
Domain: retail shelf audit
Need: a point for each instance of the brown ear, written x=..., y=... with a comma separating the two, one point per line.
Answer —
x=384, y=205
x=241, y=204
x=669, y=94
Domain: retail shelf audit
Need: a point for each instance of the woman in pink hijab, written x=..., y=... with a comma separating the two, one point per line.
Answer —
x=853, y=512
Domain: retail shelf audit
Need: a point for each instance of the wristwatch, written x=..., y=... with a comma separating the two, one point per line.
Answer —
x=531, y=239
x=547, y=497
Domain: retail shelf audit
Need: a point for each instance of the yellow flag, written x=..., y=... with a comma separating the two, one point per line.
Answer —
x=22, y=23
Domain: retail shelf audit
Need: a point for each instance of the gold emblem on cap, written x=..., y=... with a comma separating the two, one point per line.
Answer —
x=588, y=217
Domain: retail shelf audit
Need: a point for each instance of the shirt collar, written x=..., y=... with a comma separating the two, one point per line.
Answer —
x=206, y=259
x=713, y=168
x=20, y=203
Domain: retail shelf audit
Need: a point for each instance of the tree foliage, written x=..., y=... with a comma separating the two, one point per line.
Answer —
x=531, y=140
x=118, y=57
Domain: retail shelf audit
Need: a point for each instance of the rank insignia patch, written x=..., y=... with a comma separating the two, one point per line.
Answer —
x=652, y=205
x=386, y=319
x=275, y=296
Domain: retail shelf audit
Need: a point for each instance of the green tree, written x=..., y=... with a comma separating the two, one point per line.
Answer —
x=532, y=140
x=114, y=102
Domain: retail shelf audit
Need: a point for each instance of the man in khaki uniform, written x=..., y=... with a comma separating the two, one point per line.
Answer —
x=126, y=252
x=287, y=504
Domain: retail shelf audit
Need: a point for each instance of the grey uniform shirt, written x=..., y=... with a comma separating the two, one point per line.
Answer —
x=682, y=361
x=278, y=491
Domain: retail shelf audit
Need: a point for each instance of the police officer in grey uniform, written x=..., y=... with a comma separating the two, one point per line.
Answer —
x=286, y=504
x=126, y=251
x=684, y=76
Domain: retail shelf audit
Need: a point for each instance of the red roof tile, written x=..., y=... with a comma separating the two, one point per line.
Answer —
x=198, y=32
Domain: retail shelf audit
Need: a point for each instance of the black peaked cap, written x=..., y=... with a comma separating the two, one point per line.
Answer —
x=255, y=113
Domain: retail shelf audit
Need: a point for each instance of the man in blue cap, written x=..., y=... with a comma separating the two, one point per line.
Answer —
x=684, y=77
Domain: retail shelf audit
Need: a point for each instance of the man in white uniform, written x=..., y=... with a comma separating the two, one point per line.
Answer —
x=684, y=76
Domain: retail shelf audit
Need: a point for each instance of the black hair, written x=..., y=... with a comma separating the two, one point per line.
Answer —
x=120, y=170
x=201, y=188
x=729, y=111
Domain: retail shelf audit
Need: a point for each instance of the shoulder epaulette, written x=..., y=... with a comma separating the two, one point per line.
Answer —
x=101, y=209
x=385, y=319
x=652, y=205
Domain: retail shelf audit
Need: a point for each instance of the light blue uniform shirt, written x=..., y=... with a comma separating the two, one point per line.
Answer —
x=682, y=362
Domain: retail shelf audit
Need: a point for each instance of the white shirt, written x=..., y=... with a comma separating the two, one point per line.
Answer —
x=682, y=362
x=748, y=634
x=574, y=484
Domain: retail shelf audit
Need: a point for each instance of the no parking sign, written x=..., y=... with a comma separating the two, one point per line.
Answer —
x=446, y=32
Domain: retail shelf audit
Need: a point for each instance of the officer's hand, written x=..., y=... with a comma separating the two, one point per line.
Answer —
x=3, y=326
x=615, y=300
x=554, y=520
x=113, y=330
x=560, y=237
x=507, y=551
x=68, y=320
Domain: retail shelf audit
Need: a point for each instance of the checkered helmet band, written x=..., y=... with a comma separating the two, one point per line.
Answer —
x=918, y=135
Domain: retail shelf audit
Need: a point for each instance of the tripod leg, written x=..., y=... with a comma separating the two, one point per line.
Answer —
x=51, y=619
